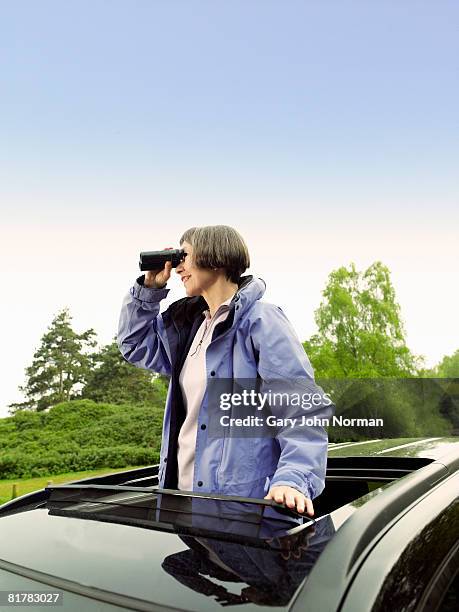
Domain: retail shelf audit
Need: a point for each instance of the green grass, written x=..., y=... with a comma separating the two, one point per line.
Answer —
x=27, y=485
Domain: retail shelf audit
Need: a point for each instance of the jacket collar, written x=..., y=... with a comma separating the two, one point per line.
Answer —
x=186, y=310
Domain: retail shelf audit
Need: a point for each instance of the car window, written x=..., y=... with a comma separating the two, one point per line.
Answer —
x=442, y=593
x=450, y=599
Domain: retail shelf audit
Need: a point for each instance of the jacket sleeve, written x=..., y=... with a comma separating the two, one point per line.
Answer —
x=284, y=367
x=142, y=338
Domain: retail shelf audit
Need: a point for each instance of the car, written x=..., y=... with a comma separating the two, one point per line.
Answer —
x=385, y=536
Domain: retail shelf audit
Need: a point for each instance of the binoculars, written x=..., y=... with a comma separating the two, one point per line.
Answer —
x=155, y=260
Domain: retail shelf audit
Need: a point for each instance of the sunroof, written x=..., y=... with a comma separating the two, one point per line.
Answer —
x=175, y=511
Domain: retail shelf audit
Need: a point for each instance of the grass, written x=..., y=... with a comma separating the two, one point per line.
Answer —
x=33, y=484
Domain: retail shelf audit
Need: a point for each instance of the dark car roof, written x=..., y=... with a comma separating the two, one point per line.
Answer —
x=154, y=548
x=103, y=536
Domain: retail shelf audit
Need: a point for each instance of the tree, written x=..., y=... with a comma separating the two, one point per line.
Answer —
x=448, y=366
x=60, y=365
x=115, y=381
x=360, y=331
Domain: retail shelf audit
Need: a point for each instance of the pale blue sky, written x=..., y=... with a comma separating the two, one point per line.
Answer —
x=328, y=127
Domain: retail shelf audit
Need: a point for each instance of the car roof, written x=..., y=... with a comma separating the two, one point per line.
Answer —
x=152, y=547
x=161, y=549
x=425, y=448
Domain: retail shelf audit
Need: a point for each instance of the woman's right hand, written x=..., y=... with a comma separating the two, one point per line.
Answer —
x=157, y=279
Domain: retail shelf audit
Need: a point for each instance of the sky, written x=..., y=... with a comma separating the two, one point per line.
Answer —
x=325, y=132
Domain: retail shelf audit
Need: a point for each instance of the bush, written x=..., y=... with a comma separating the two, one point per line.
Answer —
x=79, y=435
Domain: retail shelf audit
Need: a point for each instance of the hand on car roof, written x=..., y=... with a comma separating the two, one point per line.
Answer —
x=291, y=498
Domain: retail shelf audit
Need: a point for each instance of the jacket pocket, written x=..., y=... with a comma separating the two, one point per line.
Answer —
x=254, y=488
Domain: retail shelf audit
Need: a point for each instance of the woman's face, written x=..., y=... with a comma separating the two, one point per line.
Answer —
x=194, y=279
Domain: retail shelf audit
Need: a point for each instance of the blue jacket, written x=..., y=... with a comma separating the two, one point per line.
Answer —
x=256, y=339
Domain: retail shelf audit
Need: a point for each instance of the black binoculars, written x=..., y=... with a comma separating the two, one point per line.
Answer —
x=155, y=260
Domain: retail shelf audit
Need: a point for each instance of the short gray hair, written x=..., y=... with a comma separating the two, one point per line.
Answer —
x=218, y=246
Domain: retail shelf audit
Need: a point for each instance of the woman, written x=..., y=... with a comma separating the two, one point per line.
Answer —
x=222, y=330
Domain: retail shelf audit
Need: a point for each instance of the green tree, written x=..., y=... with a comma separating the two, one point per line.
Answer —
x=448, y=366
x=115, y=381
x=360, y=331
x=60, y=365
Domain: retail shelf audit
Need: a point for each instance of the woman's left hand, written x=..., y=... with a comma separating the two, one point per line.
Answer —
x=291, y=498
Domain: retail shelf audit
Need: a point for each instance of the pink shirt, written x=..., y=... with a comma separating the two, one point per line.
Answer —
x=193, y=382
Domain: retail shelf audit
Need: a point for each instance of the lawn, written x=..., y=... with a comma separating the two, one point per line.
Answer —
x=33, y=484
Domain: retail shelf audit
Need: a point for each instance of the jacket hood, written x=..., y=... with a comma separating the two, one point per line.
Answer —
x=250, y=290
